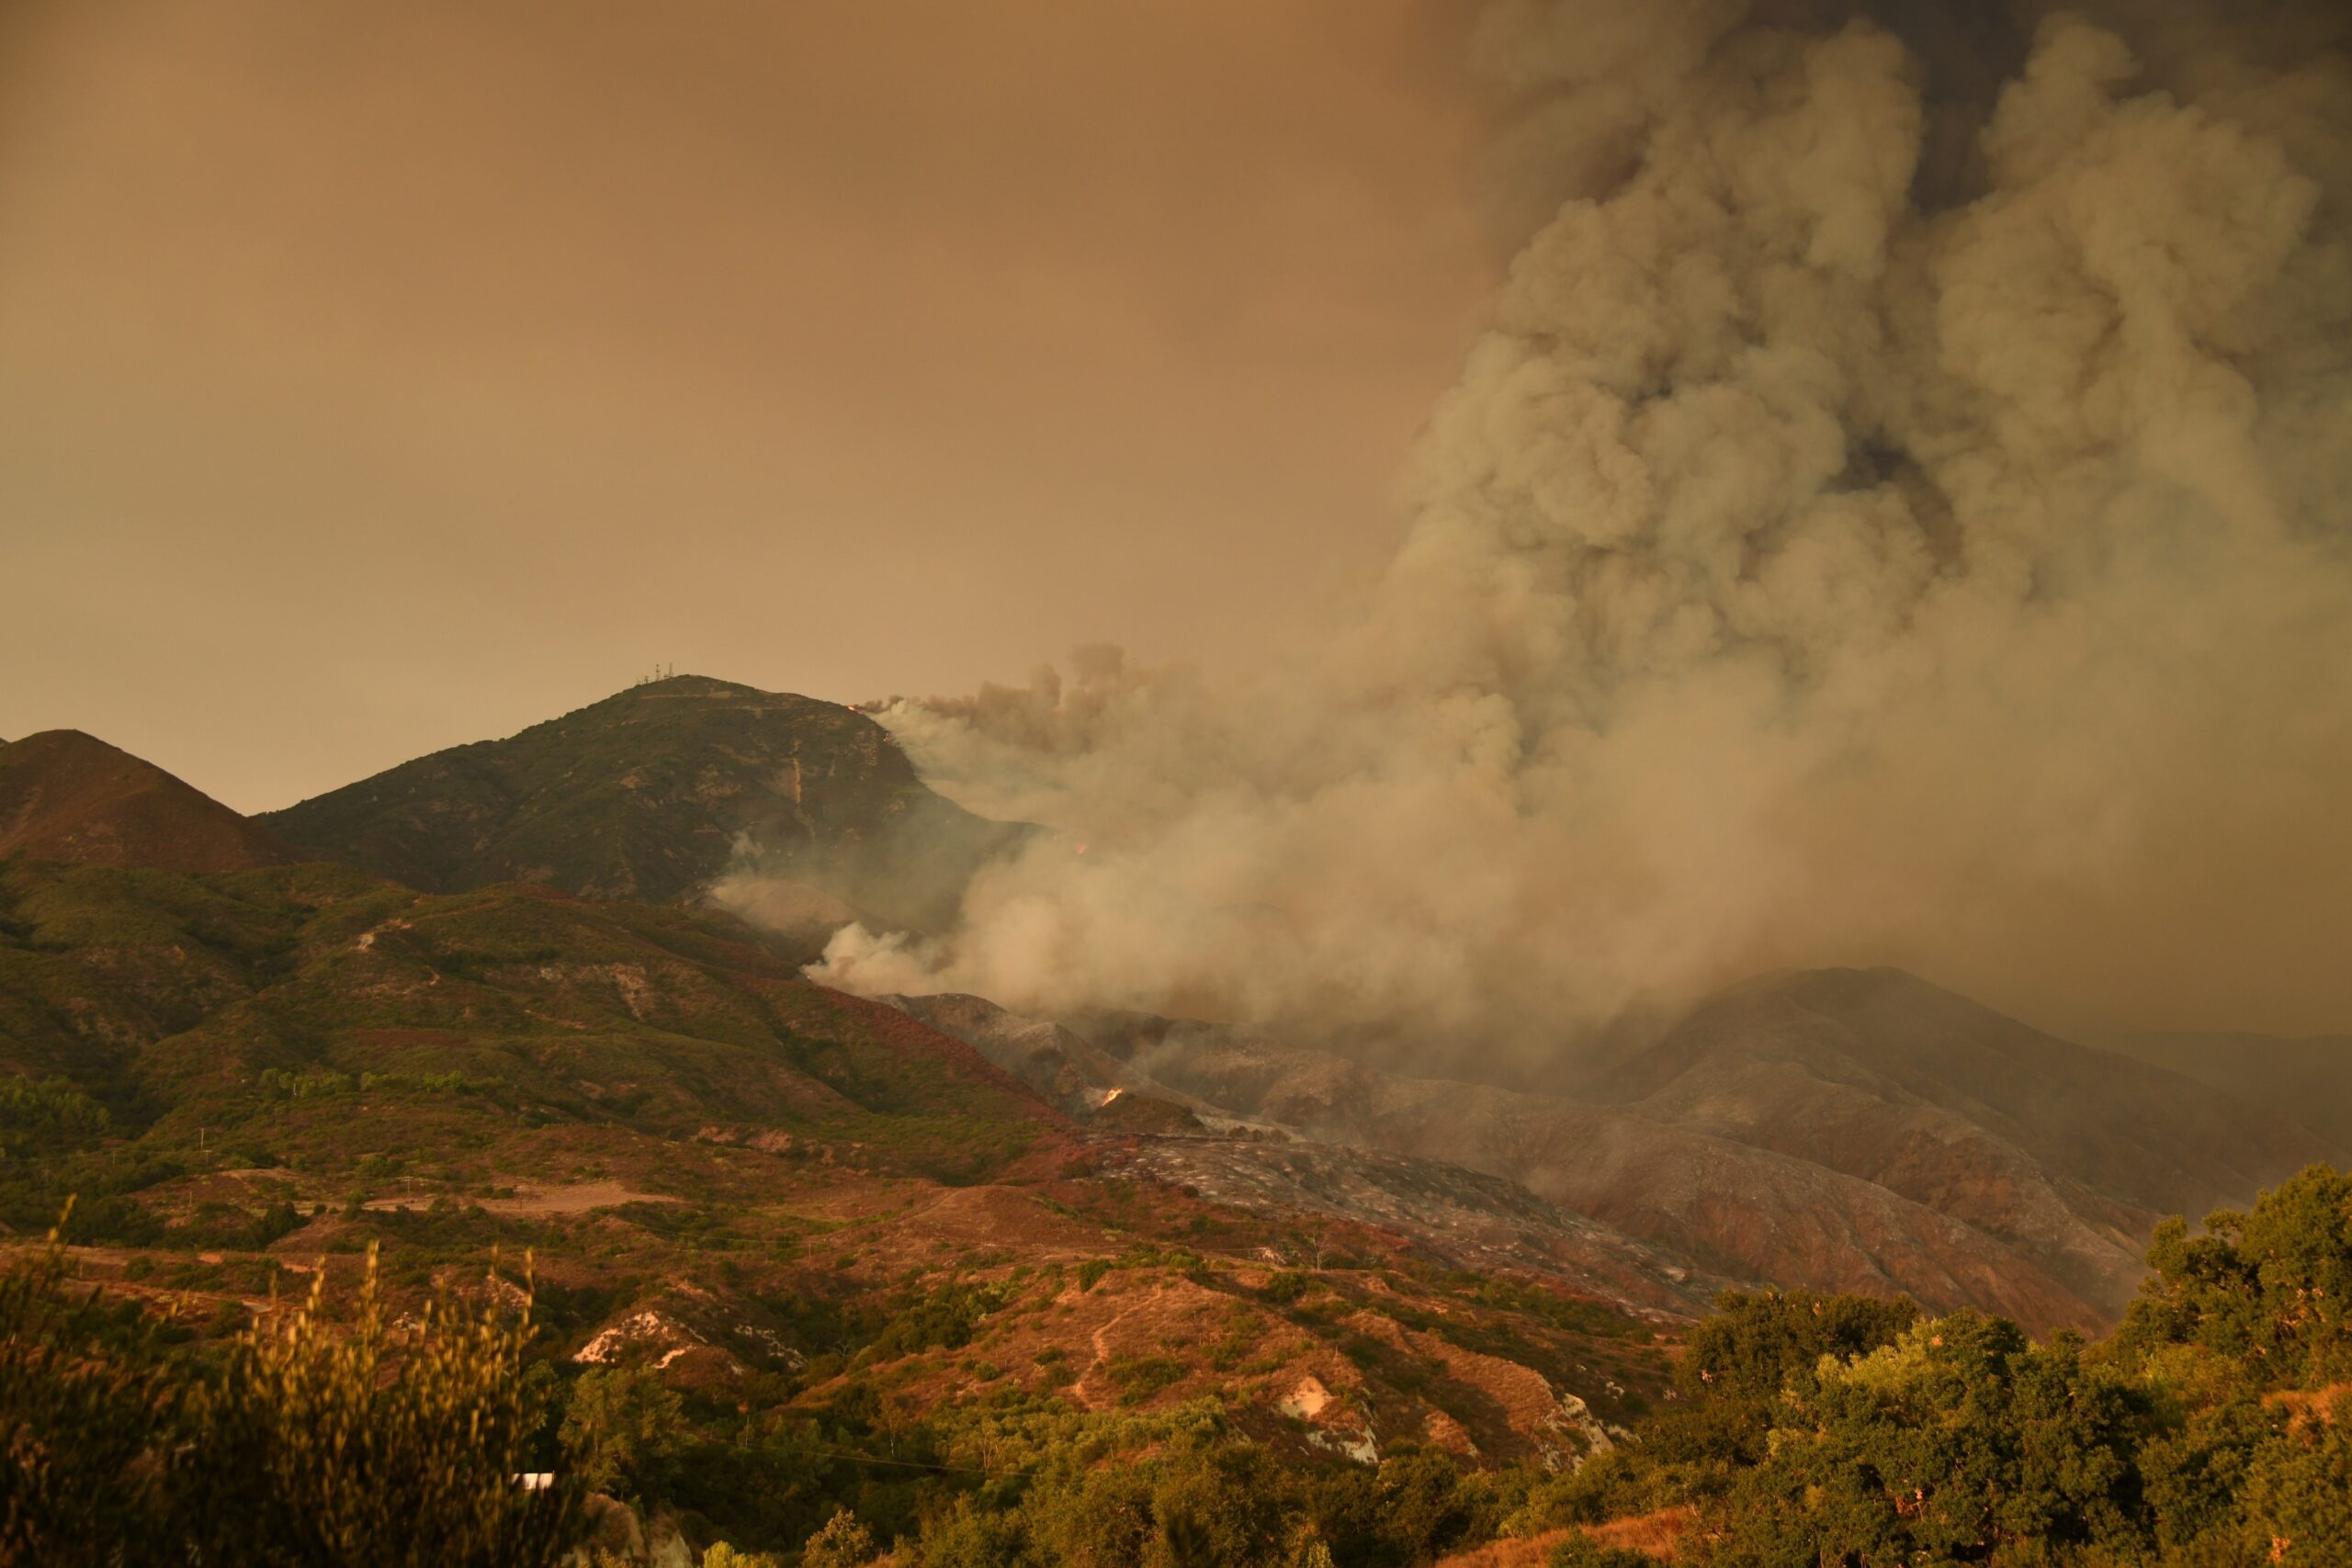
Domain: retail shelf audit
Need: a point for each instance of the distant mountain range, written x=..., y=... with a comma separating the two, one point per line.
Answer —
x=524, y=912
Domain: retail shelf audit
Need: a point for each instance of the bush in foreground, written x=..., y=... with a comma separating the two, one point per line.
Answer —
x=310, y=1443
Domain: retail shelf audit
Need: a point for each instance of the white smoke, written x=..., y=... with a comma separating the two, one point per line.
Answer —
x=1897, y=513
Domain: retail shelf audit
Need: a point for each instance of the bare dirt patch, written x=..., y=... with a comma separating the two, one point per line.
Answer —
x=576, y=1198
x=1003, y=1216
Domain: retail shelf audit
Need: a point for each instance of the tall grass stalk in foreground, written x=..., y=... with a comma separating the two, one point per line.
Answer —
x=375, y=1443
x=86, y=1398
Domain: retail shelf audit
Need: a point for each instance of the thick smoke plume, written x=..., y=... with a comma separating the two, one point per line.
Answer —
x=1896, y=513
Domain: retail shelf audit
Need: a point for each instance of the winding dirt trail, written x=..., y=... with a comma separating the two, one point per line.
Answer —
x=1100, y=1340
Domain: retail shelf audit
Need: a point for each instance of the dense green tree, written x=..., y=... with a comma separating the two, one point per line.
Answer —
x=1223, y=1505
x=840, y=1542
x=1754, y=1343
x=2271, y=1287
x=1429, y=1506
x=624, y=1431
x=2298, y=1490
x=46, y=1114
x=1096, y=1519
x=1957, y=1440
x=970, y=1536
x=1416, y=1505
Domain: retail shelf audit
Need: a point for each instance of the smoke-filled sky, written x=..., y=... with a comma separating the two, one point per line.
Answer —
x=378, y=377
x=1897, y=513
x=1597, y=498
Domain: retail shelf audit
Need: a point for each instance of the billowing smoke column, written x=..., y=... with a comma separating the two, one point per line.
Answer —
x=1897, y=513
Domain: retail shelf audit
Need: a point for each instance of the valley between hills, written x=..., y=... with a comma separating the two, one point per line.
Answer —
x=477, y=1009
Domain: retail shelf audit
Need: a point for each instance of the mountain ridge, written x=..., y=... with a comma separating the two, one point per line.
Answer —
x=68, y=795
x=653, y=794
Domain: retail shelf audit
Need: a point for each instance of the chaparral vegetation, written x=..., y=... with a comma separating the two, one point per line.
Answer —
x=2213, y=1428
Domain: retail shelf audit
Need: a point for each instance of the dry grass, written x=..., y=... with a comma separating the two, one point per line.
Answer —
x=2302, y=1408
x=1527, y=1552
x=531, y=1202
x=1657, y=1535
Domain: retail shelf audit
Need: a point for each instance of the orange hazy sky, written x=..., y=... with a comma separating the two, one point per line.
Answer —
x=376, y=379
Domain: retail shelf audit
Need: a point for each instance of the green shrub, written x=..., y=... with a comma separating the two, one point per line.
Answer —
x=1284, y=1287
x=944, y=1319
x=1137, y=1378
x=47, y=1114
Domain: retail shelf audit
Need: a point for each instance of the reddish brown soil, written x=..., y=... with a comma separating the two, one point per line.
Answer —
x=576, y=1198
x=992, y=1217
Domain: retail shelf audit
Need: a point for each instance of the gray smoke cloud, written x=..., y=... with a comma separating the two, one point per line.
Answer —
x=1895, y=512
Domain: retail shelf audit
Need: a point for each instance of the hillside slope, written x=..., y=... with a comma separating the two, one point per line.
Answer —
x=652, y=794
x=65, y=795
x=1053, y=1060
x=1742, y=1212
x=182, y=1000
x=1445, y=1204
x=1834, y=1130
x=753, y=1186
x=2069, y=1154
